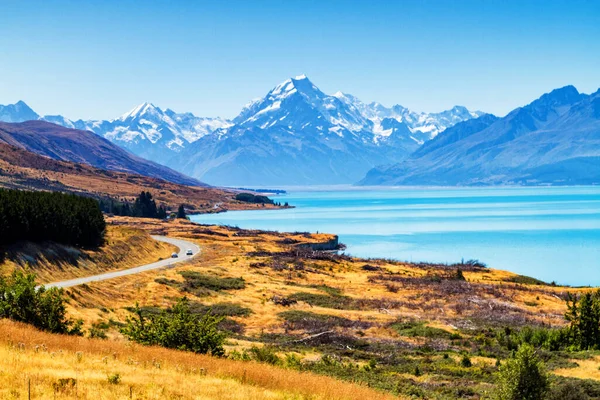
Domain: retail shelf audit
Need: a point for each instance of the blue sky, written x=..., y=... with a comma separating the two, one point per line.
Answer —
x=99, y=60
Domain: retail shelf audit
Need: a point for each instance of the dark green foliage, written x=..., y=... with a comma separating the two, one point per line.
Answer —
x=522, y=377
x=465, y=361
x=115, y=207
x=181, y=212
x=41, y=216
x=221, y=309
x=526, y=280
x=194, y=280
x=145, y=206
x=419, y=329
x=98, y=330
x=322, y=300
x=44, y=309
x=178, y=328
x=264, y=354
x=201, y=285
x=161, y=213
x=251, y=198
x=583, y=315
x=567, y=391
x=306, y=320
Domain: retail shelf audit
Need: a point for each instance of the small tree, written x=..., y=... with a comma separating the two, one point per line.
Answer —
x=21, y=301
x=181, y=212
x=522, y=377
x=178, y=329
x=162, y=213
x=583, y=315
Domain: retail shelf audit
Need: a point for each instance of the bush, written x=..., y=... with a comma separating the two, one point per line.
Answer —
x=522, y=377
x=567, y=391
x=465, y=361
x=194, y=280
x=44, y=309
x=114, y=379
x=59, y=217
x=177, y=329
x=264, y=354
x=251, y=198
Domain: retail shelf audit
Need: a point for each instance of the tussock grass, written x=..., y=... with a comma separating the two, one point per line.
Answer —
x=150, y=372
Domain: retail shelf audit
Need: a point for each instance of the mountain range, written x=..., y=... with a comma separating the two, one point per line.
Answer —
x=79, y=146
x=554, y=140
x=295, y=135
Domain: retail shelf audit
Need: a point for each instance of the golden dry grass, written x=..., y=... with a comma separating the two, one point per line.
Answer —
x=586, y=369
x=150, y=372
x=225, y=252
x=124, y=247
x=20, y=169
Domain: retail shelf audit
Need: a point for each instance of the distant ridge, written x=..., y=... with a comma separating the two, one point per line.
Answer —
x=554, y=140
x=320, y=138
x=79, y=146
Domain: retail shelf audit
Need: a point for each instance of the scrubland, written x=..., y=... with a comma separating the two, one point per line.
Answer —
x=297, y=318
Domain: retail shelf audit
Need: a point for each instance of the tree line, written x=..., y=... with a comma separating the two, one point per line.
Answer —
x=39, y=216
x=144, y=206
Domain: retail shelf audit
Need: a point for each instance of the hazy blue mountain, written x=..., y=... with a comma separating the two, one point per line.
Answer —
x=17, y=112
x=555, y=140
x=316, y=137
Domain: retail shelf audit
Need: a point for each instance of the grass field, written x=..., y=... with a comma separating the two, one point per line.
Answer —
x=403, y=329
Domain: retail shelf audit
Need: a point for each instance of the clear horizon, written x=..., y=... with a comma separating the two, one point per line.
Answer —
x=97, y=61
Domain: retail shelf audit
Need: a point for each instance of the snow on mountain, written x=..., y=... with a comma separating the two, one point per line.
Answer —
x=322, y=138
x=554, y=140
x=18, y=112
x=296, y=134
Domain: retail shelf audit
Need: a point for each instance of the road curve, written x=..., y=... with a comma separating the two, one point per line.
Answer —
x=183, y=246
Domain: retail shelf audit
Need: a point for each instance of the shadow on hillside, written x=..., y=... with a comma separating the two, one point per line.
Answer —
x=36, y=255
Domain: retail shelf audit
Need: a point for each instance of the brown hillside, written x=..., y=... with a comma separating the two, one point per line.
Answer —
x=85, y=147
x=21, y=169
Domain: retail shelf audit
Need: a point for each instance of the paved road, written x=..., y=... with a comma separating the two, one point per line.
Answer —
x=183, y=246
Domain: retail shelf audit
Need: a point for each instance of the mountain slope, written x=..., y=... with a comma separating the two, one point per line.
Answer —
x=79, y=146
x=18, y=112
x=553, y=140
x=319, y=138
x=298, y=135
x=21, y=169
x=147, y=130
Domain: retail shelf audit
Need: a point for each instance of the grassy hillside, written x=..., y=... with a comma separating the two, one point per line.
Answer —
x=55, y=366
x=124, y=247
x=65, y=144
x=21, y=169
x=423, y=330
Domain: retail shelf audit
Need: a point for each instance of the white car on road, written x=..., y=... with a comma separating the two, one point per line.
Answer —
x=189, y=252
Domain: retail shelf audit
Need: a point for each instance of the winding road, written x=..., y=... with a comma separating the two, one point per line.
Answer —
x=183, y=246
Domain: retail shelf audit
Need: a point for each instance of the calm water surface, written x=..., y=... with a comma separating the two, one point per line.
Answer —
x=549, y=233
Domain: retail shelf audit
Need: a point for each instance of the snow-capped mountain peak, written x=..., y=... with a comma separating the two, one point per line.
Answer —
x=141, y=109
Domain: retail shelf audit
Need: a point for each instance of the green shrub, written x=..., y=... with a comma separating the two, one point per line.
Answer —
x=177, y=329
x=465, y=361
x=114, y=379
x=21, y=301
x=264, y=354
x=567, y=391
x=194, y=280
x=419, y=329
x=522, y=377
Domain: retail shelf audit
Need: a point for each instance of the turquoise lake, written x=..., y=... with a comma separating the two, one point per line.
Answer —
x=550, y=233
